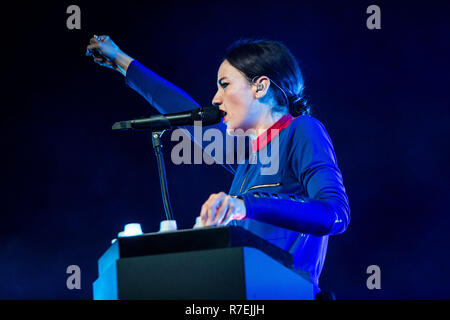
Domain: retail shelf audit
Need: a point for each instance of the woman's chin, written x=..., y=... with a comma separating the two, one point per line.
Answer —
x=237, y=131
x=230, y=131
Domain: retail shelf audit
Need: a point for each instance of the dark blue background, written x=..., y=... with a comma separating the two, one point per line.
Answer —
x=70, y=184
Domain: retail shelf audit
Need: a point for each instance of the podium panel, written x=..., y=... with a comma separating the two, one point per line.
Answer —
x=179, y=270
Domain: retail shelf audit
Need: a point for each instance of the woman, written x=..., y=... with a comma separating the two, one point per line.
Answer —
x=260, y=89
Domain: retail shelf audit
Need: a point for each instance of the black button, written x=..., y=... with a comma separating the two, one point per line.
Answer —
x=265, y=194
x=275, y=195
x=256, y=195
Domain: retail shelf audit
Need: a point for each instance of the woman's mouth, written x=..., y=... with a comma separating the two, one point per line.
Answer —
x=224, y=116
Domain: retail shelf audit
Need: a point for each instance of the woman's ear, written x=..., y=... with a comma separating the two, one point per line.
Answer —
x=262, y=85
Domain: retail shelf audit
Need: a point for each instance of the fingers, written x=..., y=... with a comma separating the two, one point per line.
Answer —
x=222, y=211
x=95, y=43
x=205, y=213
x=236, y=211
x=213, y=203
x=221, y=208
x=198, y=223
x=90, y=49
x=213, y=209
x=228, y=214
x=96, y=38
x=104, y=62
x=93, y=46
x=102, y=38
x=94, y=49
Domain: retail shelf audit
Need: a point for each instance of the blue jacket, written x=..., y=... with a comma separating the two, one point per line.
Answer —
x=299, y=206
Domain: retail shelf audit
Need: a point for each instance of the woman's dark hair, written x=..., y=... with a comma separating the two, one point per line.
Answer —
x=256, y=58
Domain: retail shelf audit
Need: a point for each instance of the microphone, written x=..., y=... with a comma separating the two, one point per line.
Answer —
x=207, y=116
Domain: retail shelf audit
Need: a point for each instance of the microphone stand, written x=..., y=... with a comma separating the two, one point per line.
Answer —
x=156, y=124
x=169, y=224
x=156, y=140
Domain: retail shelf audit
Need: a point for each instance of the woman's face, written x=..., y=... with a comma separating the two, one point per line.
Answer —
x=236, y=96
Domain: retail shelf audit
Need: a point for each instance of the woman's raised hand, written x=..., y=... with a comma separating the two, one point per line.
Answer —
x=107, y=54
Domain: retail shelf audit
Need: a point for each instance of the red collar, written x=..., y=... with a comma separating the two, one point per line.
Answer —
x=264, y=138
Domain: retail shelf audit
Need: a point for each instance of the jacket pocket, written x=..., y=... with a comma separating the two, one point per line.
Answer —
x=268, y=185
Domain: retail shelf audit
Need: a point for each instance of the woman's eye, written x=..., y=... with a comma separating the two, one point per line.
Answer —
x=224, y=84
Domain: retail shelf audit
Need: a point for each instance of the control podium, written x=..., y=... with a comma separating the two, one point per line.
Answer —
x=213, y=263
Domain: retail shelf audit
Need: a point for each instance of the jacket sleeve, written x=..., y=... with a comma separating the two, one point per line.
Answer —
x=160, y=93
x=325, y=209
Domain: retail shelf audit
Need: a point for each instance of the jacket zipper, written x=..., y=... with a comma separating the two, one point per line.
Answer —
x=240, y=190
x=242, y=185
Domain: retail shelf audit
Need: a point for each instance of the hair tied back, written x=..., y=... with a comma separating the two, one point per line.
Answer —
x=298, y=106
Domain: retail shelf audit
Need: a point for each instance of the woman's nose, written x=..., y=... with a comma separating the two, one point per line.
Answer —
x=217, y=100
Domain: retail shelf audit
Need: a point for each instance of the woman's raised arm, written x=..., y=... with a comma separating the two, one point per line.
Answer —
x=164, y=96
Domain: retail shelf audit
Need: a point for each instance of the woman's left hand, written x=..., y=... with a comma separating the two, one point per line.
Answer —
x=221, y=208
